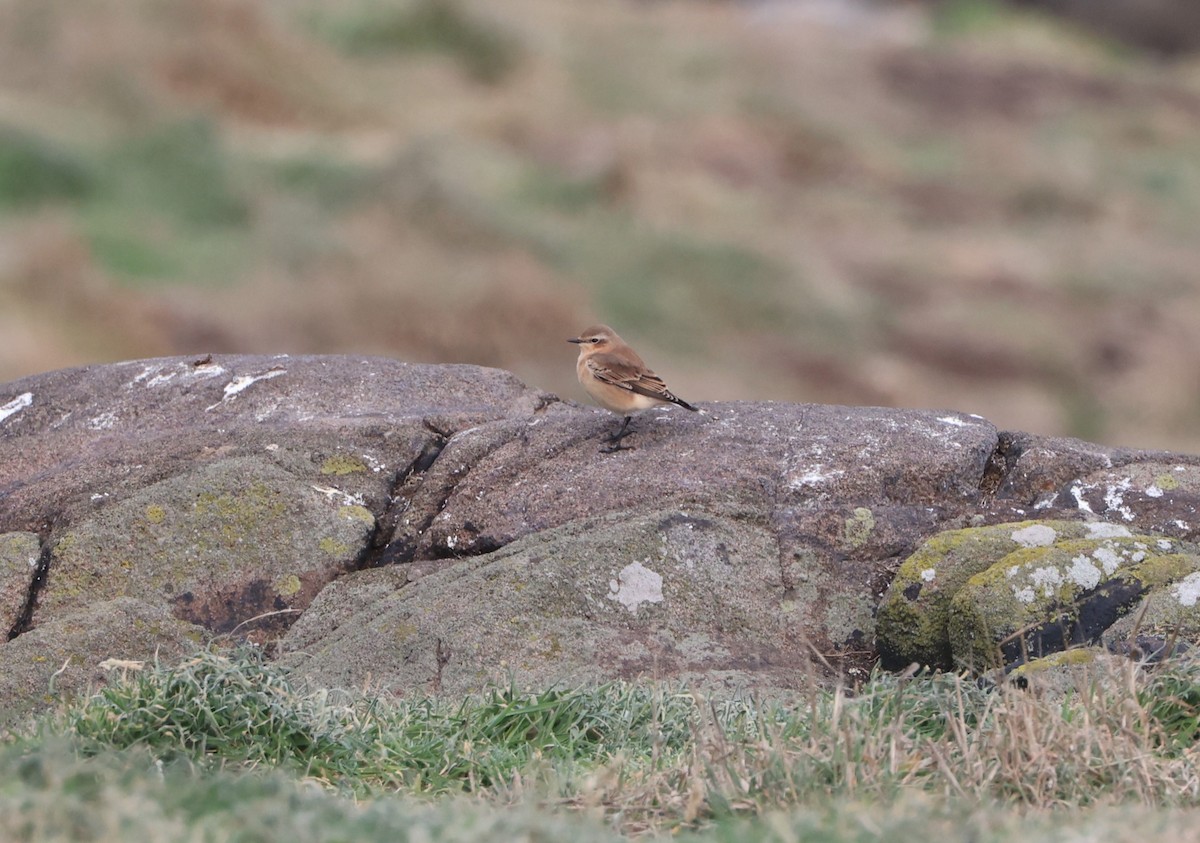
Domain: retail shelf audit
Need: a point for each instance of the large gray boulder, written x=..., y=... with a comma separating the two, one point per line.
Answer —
x=439, y=527
x=235, y=542
x=225, y=492
x=73, y=441
x=622, y=595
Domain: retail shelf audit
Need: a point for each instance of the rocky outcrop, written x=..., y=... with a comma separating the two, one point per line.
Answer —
x=914, y=617
x=657, y=594
x=1007, y=594
x=425, y=528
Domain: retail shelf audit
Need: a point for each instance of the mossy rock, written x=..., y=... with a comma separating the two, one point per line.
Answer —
x=226, y=542
x=18, y=562
x=1166, y=620
x=1040, y=600
x=1062, y=659
x=1070, y=672
x=911, y=625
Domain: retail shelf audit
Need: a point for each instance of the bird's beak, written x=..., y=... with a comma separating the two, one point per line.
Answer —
x=576, y=340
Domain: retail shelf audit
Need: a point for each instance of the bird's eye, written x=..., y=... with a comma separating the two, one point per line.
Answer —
x=595, y=339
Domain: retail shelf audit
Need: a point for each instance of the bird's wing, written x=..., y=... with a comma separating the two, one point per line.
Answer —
x=610, y=369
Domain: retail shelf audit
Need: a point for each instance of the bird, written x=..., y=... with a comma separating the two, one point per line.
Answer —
x=618, y=379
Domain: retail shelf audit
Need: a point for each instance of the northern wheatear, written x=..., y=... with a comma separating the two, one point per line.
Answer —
x=618, y=379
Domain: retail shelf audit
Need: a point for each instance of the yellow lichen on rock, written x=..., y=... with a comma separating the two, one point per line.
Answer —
x=340, y=464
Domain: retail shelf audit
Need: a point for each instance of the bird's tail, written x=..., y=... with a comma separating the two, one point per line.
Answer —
x=675, y=399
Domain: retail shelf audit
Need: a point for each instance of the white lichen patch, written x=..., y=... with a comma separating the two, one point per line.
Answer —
x=208, y=370
x=153, y=376
x=1187, y=590
x=146, y=372
x=634, y=585
x=104, y=421
x=1080, y=501
x=1108, y=558
x=815, y=476
x=159, y=380
x=1105, y=530
x=1035, y=535
x=1165, y=545
x=237, y=385
x=1114, y=498
x=1153, y=491
x=16, y=405
x=928, y=574
x=1047, y=578
x=344, y=498
x=1083, y=572
x=1024, y=595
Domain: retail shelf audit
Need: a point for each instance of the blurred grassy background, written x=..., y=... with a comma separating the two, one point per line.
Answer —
x=961, y=204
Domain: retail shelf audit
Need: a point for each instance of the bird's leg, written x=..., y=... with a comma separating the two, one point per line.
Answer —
x=614, y=441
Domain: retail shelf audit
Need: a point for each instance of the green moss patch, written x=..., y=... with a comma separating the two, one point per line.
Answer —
x=914, y=613
x=1041, y=600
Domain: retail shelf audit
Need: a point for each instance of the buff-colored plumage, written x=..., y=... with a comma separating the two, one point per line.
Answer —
x=617, y=378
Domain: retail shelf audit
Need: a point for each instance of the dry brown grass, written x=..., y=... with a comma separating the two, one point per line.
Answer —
x=1101, y=738
x=1110, y=740
x=774, y=204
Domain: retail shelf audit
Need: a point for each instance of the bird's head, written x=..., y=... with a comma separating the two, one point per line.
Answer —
x=596, y=339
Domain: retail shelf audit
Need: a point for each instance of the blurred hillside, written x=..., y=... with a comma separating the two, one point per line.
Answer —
x=966, y=205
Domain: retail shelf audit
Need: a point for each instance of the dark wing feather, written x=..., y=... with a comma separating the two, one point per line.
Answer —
x=609, y=369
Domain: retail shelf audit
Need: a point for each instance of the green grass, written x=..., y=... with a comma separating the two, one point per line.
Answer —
x=486, y=53
x=169, y=205
x=960, y=17
x=35, y=170
x=244, y=711
x=226, y=744
x=164, y=204
x=51, y=793
x=330, y=183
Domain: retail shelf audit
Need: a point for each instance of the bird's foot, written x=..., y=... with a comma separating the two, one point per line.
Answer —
x=615, y=446
x=613, y=442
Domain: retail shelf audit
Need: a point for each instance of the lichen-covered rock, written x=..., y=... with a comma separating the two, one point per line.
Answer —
x=665, y=595
x=497, y=482
x=18, y=563
x=63, y=657
x=77, y=438
x=217, y=488
x=1063, y=673
x=227, y=542
x=1167, y=621
x=912, y=621
x=1040, y=600
x=1159, y=495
